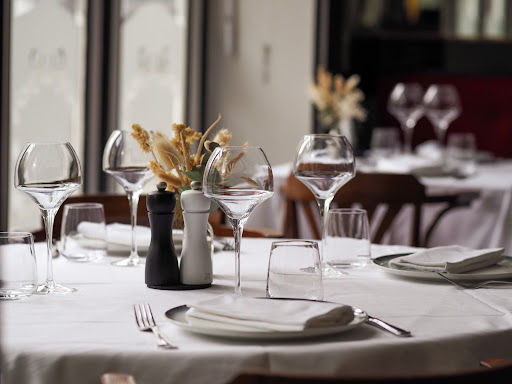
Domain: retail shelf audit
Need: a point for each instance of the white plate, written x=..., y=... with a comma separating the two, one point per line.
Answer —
x=177, y=316
x=502, y=270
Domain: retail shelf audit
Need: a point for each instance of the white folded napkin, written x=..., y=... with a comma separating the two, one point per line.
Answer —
x=118, y=234
x=260, y=315
x=451, y=259
x=406, y=163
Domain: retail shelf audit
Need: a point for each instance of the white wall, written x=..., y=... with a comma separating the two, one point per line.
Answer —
x=262, y=89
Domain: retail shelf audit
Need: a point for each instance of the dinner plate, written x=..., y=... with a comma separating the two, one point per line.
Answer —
x=502, y=270
x=177, y=316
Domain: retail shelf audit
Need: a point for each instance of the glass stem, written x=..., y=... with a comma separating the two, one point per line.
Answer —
x=238, y=229
x=133, y=198
x=48, y=219
x=407, y=138
x=323, y=205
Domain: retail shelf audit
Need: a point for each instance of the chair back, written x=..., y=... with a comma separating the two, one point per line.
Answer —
x=117, y=210
x=392, y=192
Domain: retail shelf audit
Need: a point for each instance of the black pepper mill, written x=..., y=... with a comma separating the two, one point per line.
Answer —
x=162, y=271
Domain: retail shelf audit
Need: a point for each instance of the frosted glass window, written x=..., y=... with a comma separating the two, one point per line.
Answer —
x=48, y=48
x=153, y=56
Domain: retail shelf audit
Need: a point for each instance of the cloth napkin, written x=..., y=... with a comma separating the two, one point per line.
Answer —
x=409, y=164
x=451, y=259
x=253, y=314
x=118, y=234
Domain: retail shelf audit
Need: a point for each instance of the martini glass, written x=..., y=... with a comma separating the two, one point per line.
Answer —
x=48, y=173
x=324, y=163
x=124, y=160
x=238, y=179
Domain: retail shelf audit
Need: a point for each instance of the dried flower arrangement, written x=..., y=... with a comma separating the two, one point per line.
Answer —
x=337, y=98
x=174, y=162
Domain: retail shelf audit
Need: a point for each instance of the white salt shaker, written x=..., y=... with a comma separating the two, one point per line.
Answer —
x=196, y=260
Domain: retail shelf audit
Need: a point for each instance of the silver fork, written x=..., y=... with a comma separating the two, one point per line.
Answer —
x=494, y=283
x=146, y=322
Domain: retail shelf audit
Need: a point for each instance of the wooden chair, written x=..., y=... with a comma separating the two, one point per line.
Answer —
x=371, y=190
x=117, y=210
x=493, y=375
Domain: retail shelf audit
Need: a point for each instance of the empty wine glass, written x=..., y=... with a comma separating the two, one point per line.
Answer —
x=405, y=104
x=238, y=179
x=48, y=173
x=128, y=164
x=442, y=106
x=324, y=163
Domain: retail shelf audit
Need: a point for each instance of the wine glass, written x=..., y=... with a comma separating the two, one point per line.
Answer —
x=442, y=106
x=48, y=173
x=324, y=163
x=128, y=164
x=238, y=179
x=405, y=104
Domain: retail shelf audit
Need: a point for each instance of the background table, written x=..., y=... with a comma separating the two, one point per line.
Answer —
x=487, y=223
x=76, y=337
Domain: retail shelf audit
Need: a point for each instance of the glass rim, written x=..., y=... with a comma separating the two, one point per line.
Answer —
x=294, y=242
x=15, y=234
x=48, y=143
x=83, y=205
x=324, y=135
x=348, y=210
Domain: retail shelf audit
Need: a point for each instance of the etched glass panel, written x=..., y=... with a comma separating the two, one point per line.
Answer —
x=48, y=48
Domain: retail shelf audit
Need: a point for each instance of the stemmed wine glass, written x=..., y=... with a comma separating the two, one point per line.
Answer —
x=128, y=164
x=238, y=179
x=324, y=163
x=405, y=104
x=442, y=106
x=48, y=173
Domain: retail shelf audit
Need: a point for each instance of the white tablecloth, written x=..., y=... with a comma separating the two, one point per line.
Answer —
x=486, y=224
x=76, y=337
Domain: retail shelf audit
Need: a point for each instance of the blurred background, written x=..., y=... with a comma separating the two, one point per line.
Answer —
x=75, y=70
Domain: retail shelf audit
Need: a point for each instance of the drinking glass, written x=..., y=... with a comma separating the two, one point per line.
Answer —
x=324, y=163
x=461, y=153
x=238, y=179
x=83, y=232
x=405, y=104
x=442, y=106
x=18, y=272
x=348, y=240
x=128, y=164
x=294, y=270
x=48, y=173
x=384, y=142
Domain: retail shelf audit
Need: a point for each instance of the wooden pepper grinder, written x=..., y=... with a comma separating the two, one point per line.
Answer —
x=162, y=271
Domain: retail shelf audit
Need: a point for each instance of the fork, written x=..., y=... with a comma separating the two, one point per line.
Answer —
x=146, y=322
x=495, y=283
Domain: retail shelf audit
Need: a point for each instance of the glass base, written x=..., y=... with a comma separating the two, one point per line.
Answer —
x=51, y=288
x=128, y=262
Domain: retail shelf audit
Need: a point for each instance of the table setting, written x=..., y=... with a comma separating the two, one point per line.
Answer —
x=287, y=305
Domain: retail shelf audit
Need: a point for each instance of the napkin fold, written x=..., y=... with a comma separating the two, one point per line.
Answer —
x=451, y=259
x=260, y=315
x=118, y=234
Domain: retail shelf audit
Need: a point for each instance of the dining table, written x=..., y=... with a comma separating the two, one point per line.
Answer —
x=486, y=223
x=76, y=337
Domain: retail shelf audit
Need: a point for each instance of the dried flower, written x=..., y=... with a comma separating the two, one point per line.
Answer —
x=337, y=98
x=173, y=161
